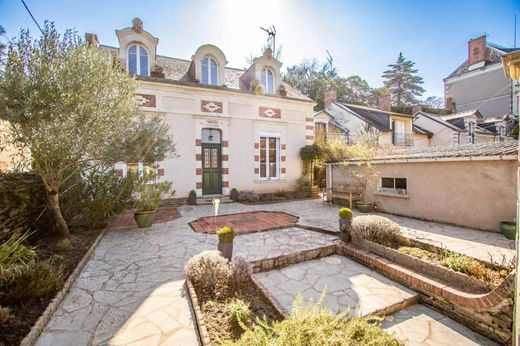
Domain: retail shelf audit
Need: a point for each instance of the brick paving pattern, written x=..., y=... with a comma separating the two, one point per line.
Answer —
x=245, y=222
x=125, y=219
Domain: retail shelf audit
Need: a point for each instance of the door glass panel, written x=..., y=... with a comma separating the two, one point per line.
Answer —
x=214, y=158
x=263, y=158
x=207, y=158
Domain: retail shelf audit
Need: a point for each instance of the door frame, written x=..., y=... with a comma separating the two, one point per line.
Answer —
x=218, y=189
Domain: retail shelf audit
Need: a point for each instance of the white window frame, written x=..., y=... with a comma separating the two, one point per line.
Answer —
x=138, y=59
x=268, y=135
x=208, y=71
x=264, y=82
x=470, y=138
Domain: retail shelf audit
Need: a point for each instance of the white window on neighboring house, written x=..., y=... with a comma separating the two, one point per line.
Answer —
x=268, y=81
x=456, y=137
x=501, y=130
x=209, y=72
x=269, y=158
x=397, y=185
x=471, y=133
x=138, y=60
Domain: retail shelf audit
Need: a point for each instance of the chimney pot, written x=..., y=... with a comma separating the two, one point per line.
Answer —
x=330, y=95
x=92, y=39
x=416, y=109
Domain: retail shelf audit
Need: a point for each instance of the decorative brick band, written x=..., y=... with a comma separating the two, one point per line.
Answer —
x=257, y=170
x=310, y=138
x=211, y=106
x=309, y=119
x=283, y=170
x=283, y=146
x=309, y=127
x=225, y=157
x=268, y=112
x=145, y=100
x=160, y=172
x=257, y=145
x=198, y=171
x=225, y=170
x=282, y=158
x=198, y=142
x=198, y=157
x=225, y=144
x=257, y=158
x=198, y=185
x=225, y=184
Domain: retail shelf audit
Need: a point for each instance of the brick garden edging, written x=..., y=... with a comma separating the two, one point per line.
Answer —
x=201, y=325
x=41, y=323
x=489, y=314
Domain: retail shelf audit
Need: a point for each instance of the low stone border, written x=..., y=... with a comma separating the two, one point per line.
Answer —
x=459, y=280
x=274, y=302
x=281, y=261
x=41, y=323
x=201, y=326
x=489, y=314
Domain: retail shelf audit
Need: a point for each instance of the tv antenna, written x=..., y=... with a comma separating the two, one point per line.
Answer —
x=271, y=37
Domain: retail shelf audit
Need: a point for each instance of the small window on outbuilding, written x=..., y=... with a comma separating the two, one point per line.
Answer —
x=398, y=185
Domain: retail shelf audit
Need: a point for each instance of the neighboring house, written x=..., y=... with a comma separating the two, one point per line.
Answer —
x=458, y=128
x=347, y=121
x=232, y=127
x=480, y=83
x=471, y=185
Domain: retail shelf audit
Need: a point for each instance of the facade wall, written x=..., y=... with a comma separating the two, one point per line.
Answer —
x=488, y=90
x=239, y=119
x=475, y=194
x=442, y=135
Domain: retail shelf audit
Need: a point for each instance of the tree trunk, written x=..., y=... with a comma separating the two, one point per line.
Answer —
x=54, y=206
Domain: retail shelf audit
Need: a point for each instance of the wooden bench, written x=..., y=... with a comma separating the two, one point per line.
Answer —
x=350, y=192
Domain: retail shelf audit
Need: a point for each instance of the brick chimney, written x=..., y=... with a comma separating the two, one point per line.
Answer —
x=92, y=39
x=477, y=51
x=448, y=103
x=416, y=109
x=330, y=95
x=385, y=102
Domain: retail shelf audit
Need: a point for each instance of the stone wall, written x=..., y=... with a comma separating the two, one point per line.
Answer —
x=22, y=203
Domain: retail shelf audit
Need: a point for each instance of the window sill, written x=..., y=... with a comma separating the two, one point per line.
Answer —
x=391, y=194
x=261, y=181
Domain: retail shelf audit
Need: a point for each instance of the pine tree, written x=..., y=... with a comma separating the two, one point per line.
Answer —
x=402, y=81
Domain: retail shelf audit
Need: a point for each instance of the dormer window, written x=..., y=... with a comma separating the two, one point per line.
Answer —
x=268, y=81
x=138, y=60
x=209, y=72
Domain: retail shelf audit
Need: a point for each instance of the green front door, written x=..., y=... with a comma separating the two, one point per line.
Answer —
x=211, y=169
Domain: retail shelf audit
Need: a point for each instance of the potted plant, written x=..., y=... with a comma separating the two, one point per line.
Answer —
x=147, y=202
x=192, y=198
x=225, y=241
x=364, y=207
x=508, y=229
x=304, y=186
x=234, y=194
x=345, y=217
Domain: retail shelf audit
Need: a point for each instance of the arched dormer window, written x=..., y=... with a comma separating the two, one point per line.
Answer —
x=268, y=81
x=209, y=72
x=138, y=60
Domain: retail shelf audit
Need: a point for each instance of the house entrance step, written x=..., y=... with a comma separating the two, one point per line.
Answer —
x=209, y=200
x=348, y=284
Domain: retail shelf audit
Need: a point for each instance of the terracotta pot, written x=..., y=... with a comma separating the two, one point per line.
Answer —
x=144, y=219
x=226, y=249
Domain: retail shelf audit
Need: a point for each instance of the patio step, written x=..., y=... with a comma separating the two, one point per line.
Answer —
x=209, y=200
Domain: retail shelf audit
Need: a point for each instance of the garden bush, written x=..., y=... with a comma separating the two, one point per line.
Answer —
x=210, y=273
x=375, y=228
x=248, y=196
x=313, y=324
x=240, y=313
x=15, y=255
x=240, y=271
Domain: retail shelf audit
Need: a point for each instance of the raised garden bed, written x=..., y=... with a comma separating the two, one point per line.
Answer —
x=28, y=317
x=212, y=316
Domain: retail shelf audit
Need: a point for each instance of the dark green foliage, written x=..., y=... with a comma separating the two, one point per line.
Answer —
x=15, y=255
x=403, y=82
x=310, y=152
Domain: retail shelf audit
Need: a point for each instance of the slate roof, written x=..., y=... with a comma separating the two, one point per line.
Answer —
x=176, y=69
x=438, y=119
x=494, y=53
x=376, y=117
x=479, y=150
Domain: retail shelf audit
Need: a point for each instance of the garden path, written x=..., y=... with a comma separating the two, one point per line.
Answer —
x=131, y=290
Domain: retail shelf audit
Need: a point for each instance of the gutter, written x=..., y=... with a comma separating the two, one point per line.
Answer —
x=423, y=160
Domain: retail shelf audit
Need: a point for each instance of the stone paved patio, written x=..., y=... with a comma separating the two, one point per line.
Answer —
x=130, y=291
x=420, y=325
x=348, y=284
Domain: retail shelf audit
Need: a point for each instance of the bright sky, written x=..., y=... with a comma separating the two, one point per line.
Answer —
x=362, y=36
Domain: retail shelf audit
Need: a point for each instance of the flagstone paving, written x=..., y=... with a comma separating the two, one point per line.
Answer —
x=131, y=290
x=348, y=286
x=420, y=325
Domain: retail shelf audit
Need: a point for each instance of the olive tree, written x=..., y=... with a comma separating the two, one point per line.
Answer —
x=71, y=107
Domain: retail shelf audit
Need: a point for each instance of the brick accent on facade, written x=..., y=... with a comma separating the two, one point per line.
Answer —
x=257, y=170
x=283, y=146
x=309, y=138
x=198, y=157
x=225, y=170
x=225, y=144
x=268, y=112
x=198, y=142
x=198, y=185
x=257, y=145
x=283, y=170
x=309, y=127
x=225, y=157
x=257, y=158
x=145, y=100
x=160, y=172
x=309, y=120
x=225, y=184
x=211, y=106
x=198, y=171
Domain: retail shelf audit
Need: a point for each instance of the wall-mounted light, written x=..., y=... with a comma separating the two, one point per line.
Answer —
x=210, y=137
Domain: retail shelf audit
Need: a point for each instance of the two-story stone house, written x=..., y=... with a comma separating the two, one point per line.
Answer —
x=233, y=127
